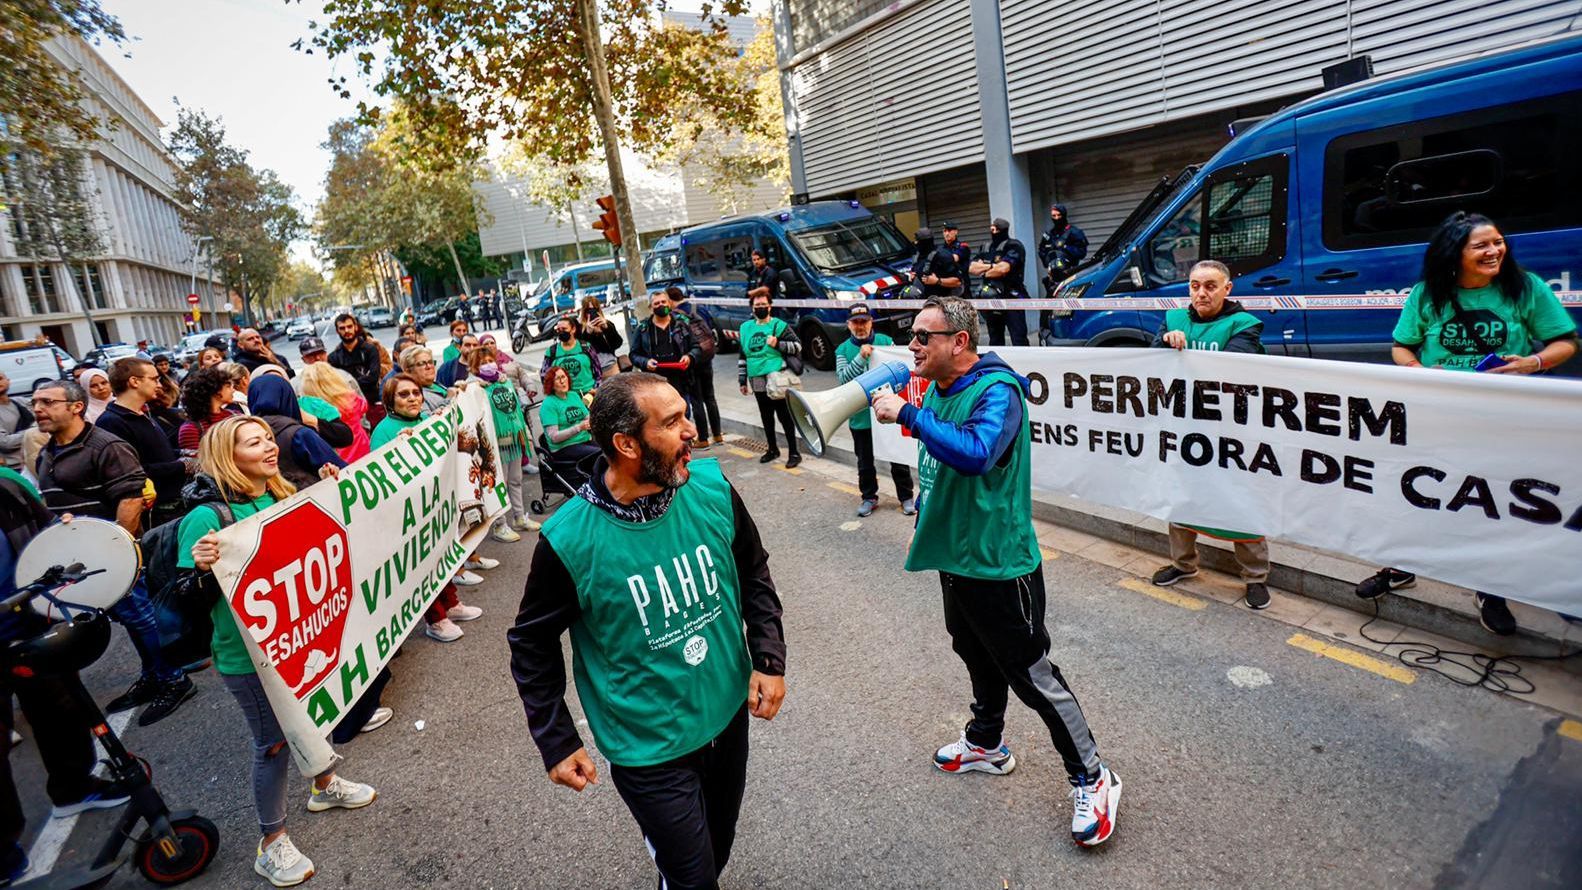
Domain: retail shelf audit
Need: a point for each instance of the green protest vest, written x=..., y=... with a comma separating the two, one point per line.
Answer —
x=1211, y=335
x=578, y=365
x=852, y=353
x=762, y=359
x=976, y=526
x=658, y=653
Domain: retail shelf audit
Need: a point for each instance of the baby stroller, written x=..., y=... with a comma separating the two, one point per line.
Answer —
x=559, y=476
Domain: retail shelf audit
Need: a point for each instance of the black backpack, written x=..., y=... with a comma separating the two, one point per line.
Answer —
x=703, y=335
x=182, y=599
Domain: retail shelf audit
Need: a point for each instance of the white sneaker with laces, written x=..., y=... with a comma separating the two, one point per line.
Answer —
x=379, y=718
x=463, y=612
x=480, y=563
x=524, y=524
x=465, y=578
x=342, y=793
x=282, y=864
x=504, y=534
x=962, y=756
x=1094, y=808
x=444, y=630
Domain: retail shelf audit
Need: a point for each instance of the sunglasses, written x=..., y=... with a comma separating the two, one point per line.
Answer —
x=921, y=336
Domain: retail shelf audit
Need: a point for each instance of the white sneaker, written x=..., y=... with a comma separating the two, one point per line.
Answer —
x=480, y=563
x=342, y=793
x=282, y=864
x=504, y=534
x=524, y=524
x=962, y=756
x=462, y=612
x=379, y=718
x=1094, y=808
x=465, y=578
x=444, y=630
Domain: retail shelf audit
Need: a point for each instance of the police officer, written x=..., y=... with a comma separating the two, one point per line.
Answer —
x=940, y=271
x=763, y=280
x=1059, y=252
x=1001, y=264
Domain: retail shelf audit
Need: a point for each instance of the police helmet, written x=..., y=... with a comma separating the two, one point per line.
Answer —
x=913, y=291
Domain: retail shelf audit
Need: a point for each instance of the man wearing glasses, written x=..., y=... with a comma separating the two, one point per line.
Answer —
x=975, y=527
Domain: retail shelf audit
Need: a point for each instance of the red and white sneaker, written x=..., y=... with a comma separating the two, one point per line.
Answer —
x=962, y=756
x=1094, y=807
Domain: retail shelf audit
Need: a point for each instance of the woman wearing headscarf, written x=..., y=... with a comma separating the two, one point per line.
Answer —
x=321, y=416
x=97, y=383
x=305, y=457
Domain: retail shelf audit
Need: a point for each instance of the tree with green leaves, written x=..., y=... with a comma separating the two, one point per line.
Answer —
x=43, y=102
x=535, y=71
x=51, y=198
x=247, y=212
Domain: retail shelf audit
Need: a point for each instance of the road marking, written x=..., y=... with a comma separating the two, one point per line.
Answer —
x=1355, y=659
x=1049, y=553
x=849, y=489
x=740, y=452
x=52, y=838
x=1571, y=730
x=850, y=526
x=1246, y=677
x=795, y=471
x=1180, y=600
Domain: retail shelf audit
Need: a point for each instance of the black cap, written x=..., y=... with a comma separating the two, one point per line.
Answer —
x=947, y=224
x=859, y=310
x=311, y=345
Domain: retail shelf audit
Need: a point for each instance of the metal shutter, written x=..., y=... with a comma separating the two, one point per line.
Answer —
x=870, y=109
x=960, y=196
x=1402, y=34
x=1102, y=182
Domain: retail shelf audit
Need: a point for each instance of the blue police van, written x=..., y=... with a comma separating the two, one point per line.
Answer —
x=1337, y=195
x=832, y=251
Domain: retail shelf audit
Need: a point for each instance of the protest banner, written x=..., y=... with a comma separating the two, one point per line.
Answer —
x=326, y=584
x=1469, y=478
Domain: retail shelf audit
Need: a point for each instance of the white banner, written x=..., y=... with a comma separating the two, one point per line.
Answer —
x=327, y=584
x=1475, y=479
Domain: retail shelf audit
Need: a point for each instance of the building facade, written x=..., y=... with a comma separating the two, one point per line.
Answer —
x=137, y=288
x=928, y=110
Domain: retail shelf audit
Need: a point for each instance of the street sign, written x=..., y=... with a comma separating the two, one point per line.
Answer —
x=192, y=299
x=406, y=285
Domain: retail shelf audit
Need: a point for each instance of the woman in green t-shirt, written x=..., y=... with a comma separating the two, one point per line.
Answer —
x=565, y=419
x=765, y=342
x=403, y=400
x=1475, y=301
x=240, y=456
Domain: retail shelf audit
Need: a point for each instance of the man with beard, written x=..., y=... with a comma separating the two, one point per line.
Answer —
x=1001, y=264
x=252, y=351
x=358, y=355
x=975, y=527
x=653, y=530
x=1059, y=251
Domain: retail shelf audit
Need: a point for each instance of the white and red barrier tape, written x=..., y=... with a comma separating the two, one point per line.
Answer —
x=1568, y=299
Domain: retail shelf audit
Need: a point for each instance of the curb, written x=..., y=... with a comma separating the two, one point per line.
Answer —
x=1403, y=609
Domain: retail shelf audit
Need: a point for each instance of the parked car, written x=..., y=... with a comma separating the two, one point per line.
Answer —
x=32, y=363
x=1336, y=196
x=189, y=347
x=379, y=317
x=105, y=355
x=300, y=328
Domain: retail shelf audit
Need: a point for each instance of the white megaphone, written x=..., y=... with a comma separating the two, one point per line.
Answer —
x=819, y=414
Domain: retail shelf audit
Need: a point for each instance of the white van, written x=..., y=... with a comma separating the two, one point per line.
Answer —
x=29, y=364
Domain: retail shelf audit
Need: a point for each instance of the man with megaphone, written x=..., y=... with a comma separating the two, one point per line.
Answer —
x=975, y=527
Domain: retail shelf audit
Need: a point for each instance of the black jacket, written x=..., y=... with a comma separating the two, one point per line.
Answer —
x=153, y=448
x=362, y=362
x=1060, y=252
x=1008, y=250
x=669, y=344
x=252, y=360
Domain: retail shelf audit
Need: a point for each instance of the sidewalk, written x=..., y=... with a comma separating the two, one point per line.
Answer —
x=1315, y=586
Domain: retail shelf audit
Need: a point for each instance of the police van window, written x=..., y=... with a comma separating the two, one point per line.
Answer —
x=1246, y=224
x=663, y=267
x=704, y=261
x=738, y=262
x=848, y=245
x=594, y=279
x=1394, y=185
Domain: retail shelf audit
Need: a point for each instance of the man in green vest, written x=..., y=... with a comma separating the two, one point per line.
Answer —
x=1218, y=324
x=656, y=568
x=975, y=527
x=852, y=359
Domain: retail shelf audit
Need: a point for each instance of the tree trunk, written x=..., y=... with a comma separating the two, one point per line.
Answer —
x=604, y=112
x=451, y=245
x=576, y=231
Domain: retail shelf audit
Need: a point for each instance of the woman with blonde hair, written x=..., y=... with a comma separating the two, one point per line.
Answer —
x=240, y=476
x=323, y=380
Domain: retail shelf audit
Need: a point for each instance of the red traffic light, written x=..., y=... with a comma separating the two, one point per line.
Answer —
x=607, y=223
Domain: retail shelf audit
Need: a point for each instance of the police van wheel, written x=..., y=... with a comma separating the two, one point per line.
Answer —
x=818, y=351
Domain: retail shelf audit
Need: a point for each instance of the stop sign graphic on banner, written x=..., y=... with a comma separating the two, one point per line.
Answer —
x=295, y=593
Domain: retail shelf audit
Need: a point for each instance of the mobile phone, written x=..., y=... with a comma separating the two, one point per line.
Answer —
x=1490, y=362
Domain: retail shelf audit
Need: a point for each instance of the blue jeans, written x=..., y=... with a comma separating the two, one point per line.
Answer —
x=135, y=611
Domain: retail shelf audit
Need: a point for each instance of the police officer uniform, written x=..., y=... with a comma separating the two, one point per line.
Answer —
x=1059, y=251
x=1002, y=248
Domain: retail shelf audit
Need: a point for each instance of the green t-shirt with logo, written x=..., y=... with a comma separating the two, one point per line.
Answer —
x=976, y=526
x=658, y=649
x=564, y=411
x=762, y=359
x=1506, y=327
x=578, y=364
x=230, y=653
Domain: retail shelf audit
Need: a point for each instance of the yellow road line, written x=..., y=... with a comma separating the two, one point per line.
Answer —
x=1388, y=670
x=1571, y=730
x=740, y=452
x=849, y=489
x=795, y=471
x=1163, y=595
x=1049, y=553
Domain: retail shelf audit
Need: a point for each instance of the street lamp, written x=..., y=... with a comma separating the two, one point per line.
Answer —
x=198, y=246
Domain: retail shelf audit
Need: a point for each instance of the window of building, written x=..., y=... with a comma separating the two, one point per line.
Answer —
x=90, y=285
x=1513, y=164
x=38, y=282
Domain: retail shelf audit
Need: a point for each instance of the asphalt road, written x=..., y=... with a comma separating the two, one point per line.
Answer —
x=1247, y=762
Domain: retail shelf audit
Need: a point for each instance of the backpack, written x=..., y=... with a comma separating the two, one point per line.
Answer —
x=703, y=335
x=182, y=599
x=285, y=430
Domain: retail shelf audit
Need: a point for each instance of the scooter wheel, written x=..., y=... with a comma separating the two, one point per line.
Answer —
x=537, y=507
x=197, y=843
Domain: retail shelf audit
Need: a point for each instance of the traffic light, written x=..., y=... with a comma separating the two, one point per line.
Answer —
x=607, y=224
